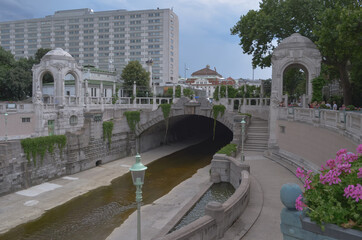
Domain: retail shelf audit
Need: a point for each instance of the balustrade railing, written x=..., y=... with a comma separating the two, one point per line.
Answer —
x=346, y=122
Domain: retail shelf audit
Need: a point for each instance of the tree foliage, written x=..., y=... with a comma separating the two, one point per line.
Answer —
x=134, y=72
x=40, y=54
x=16, y=76
x=294, y=83
x=334, y=25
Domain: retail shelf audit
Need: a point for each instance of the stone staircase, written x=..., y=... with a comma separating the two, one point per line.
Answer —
x=258, y=135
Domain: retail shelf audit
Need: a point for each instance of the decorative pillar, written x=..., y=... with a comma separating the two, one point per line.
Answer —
x=174, y=91
x=101, y=95
x=86, y=93
x=134, y=89
x=154, y=105
x=149, y=63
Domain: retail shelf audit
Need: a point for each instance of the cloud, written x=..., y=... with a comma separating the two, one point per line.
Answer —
x=14, y=10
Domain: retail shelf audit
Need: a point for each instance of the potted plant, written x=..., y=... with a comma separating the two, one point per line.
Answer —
x=333, y=196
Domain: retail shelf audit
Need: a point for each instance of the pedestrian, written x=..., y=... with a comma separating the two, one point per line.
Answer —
x=334, y=105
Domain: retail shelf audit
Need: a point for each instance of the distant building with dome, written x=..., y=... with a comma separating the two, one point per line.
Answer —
x=208, y=80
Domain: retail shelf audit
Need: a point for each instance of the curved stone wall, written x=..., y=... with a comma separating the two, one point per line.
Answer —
x=219, y=217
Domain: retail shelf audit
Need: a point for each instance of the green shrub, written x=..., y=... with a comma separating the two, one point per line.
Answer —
x=228, y=149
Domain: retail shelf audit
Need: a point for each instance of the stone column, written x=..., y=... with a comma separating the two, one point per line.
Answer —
x=134, y=89
x=86, y=93
x=154, y=105
x=273, y=116
x=149, y=63
x=174, y=91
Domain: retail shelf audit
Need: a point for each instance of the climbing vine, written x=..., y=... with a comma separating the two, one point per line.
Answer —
x=115, y=96
x=133, y=117
x=166, y=109
x=38, y=146
x=107, y=131
x=217, y=109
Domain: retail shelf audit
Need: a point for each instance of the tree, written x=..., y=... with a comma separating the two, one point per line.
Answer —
x=294, y=83
x=134, y=72
x=40, y=54
x=334, y=25
x=16, y=75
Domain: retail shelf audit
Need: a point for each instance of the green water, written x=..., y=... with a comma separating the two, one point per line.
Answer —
x=94, y=215
x=218, y=192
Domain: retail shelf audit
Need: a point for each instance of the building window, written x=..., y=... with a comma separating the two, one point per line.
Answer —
x=25, y=120
x=73, y=120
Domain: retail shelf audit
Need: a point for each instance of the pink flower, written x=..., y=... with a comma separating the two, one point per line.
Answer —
x=359, y=149
x=331, y=163
x=307, y=183
x=299, y=204
x=300, y=173
x=351, y=157
x=354, y=192
x=341, y=151
x=359, y=174
x=348, y=191
x=322, y=168
x=331, y=177
x=344, y=167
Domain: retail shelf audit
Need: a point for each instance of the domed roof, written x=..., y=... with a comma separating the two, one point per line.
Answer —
x=296, y=40
x=58, y=52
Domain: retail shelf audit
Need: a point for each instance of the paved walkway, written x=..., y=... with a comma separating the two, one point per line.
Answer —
x=261, y=219
x=23, y=206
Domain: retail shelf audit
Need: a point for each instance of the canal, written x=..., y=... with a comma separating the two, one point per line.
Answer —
x=95, y=214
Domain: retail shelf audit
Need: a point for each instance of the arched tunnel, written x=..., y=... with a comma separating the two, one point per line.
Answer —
x=181, y=128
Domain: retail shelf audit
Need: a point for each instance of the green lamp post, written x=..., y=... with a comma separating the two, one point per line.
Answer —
x=138, y=171
x=242, y=139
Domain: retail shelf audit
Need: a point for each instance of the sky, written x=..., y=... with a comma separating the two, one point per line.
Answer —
x=204, y=32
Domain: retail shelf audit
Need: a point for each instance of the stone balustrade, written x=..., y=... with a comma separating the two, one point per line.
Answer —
x=347, y=123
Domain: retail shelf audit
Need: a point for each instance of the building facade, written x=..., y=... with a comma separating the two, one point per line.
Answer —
x=208, y=80
x=107, y=39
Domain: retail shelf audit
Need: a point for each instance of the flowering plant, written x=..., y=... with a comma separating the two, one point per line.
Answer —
x=335, y=194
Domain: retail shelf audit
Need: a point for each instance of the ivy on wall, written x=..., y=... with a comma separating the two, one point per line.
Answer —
x=133, y=117
x=166, y=109
x=107, y=131
x=38, y=146
x=217, y=109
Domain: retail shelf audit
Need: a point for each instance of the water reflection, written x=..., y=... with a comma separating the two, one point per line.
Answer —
x=95, y=214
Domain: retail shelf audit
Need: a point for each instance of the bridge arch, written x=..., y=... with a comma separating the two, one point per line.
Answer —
x=295, y=50
x=185, y=106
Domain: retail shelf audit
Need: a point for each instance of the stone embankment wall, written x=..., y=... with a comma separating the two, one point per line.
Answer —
x=85, y=149
x=16, y=172
x=219, y=217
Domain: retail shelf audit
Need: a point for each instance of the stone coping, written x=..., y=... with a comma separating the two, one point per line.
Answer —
x=218, y=217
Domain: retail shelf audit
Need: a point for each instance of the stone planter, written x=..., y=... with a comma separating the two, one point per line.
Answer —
x=331, y=230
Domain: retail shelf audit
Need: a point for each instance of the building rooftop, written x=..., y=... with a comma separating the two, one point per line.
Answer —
x=206, y=72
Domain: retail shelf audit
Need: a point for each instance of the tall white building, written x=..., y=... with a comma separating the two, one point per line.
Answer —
x=107, y=40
